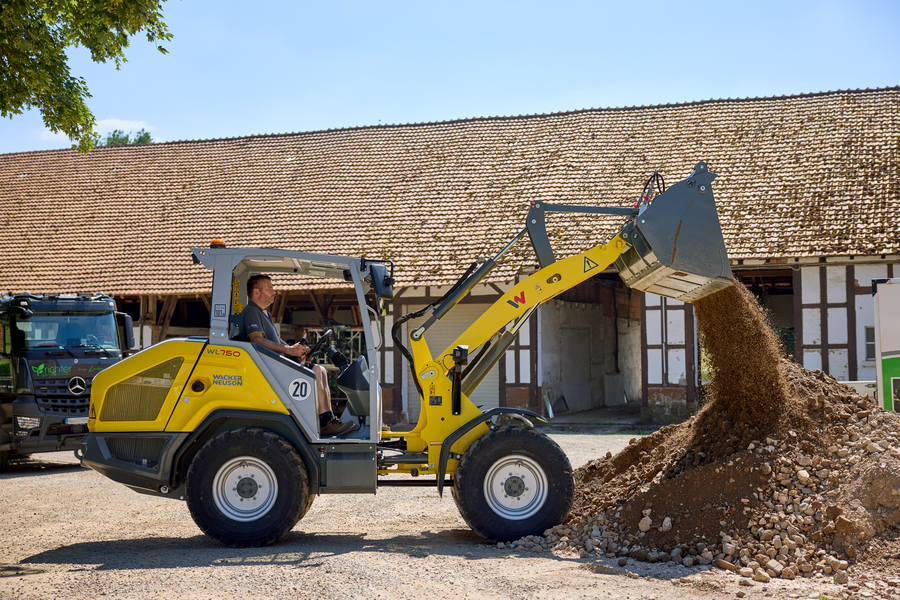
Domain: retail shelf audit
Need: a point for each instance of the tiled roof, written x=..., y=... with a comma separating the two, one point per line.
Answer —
x=809, y=175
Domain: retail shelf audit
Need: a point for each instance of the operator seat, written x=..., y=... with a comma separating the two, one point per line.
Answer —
x=354, y=382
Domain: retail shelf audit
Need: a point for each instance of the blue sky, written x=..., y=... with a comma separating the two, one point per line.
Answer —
x=239, y=68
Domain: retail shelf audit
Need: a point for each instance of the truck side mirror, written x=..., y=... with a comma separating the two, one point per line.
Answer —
x=125, y=323
x=382, y=283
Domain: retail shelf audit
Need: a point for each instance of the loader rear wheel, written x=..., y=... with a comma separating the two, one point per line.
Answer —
x=513, y=482
x=247, y=487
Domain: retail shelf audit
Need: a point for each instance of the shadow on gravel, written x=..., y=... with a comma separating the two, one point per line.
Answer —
x=30, y=468
x=18, y=571
x=297, y=548
x=612, y=429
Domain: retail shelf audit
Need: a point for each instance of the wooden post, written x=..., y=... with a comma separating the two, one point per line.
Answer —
x=172, y=302
x=278, y=309
x=142, y=319
x=151, y=317
x=315, y=302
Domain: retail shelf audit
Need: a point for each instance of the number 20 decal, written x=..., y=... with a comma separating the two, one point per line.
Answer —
x=300, y=389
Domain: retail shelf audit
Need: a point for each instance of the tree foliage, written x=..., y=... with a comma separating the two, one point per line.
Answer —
x=34, y=69
x=117, y=137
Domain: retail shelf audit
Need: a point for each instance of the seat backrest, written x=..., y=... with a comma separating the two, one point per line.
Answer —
x=354, y=382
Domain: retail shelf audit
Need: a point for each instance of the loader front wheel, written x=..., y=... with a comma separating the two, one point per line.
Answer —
x=513, y=482
x=247, y=487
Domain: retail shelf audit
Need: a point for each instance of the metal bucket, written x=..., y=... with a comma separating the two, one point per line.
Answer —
x=677, y=248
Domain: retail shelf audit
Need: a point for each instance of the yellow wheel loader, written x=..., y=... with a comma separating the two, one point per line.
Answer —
x=232, y=428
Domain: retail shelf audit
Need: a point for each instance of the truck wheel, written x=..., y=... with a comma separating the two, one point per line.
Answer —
x=513, y=482
x=4, y=459
x=247, y=487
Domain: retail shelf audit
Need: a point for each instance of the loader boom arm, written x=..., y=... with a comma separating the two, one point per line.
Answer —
x=515, y=305
x=672, y=247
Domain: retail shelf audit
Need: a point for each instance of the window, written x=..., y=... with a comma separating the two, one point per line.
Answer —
x=870, y=343
x=73, y=329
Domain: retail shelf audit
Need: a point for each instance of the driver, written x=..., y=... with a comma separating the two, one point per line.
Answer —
x=104, y=335
x=257, y=327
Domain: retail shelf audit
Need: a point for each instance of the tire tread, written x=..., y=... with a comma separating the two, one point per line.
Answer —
x=272, y=440
x=475, y=515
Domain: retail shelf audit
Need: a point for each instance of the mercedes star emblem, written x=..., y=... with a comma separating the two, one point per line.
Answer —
x=77, y=385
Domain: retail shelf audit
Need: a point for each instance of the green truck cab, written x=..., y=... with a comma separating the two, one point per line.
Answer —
x=51, y=347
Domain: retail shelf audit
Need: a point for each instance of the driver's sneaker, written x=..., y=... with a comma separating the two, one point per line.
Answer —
x=335, y=427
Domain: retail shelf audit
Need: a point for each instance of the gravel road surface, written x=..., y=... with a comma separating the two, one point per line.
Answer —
x=71, y=533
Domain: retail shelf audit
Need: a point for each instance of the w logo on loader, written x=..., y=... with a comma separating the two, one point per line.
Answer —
x=520, y=299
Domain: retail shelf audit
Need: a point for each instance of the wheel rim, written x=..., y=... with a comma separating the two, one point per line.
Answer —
x=515, y=487
x=245, y=488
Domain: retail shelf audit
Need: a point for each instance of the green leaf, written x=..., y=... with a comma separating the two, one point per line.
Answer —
x=34, y=36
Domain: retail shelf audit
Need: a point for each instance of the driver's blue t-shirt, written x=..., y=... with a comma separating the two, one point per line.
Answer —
x=258, y=320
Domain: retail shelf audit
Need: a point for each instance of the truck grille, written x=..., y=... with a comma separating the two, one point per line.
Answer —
x=54, y=398
x=143, y=451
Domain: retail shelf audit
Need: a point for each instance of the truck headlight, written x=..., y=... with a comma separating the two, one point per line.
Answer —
x=24, y=425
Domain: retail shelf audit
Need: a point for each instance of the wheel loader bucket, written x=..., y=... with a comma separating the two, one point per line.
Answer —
x=677, y=248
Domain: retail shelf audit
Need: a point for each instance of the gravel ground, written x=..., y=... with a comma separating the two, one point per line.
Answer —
x=72, y=533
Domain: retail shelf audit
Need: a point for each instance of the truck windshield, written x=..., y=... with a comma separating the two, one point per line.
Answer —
x=67, y=329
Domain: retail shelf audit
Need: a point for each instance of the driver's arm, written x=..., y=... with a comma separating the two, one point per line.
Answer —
x=298, y=350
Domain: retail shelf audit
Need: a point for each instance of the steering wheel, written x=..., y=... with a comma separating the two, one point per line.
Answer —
x=319, y=346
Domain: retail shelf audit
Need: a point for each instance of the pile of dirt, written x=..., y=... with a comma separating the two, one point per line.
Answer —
x=783, y=473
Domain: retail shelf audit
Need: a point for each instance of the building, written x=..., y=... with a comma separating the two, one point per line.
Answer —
x=807, y=193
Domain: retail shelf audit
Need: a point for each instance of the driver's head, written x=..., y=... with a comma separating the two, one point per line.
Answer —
x=260, y=290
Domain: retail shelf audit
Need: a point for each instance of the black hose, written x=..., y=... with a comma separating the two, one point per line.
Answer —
x=403, y=350
x=396, y=328
x=655, y=178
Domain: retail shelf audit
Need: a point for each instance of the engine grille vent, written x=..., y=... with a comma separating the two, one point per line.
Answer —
x=140, y=398
x=143, y=451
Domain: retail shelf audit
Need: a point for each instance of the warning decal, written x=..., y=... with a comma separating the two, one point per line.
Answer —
x=589, y=264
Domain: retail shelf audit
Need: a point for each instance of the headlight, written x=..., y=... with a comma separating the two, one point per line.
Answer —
x=24, y=425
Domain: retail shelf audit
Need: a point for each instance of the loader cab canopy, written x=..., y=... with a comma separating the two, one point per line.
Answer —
x=233, y=266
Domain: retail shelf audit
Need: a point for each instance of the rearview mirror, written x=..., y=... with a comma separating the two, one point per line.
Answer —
x=126, y=327
x=382, y=283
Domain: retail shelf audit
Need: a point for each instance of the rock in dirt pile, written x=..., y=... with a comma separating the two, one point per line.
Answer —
x=783, y=472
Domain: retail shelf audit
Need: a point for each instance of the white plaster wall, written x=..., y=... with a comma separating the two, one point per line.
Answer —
x=839, y=364
x=812, y=359
x=836, y=284
x=809, y=282
x=837, y=326
x=812, y=327
x=864, y=274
